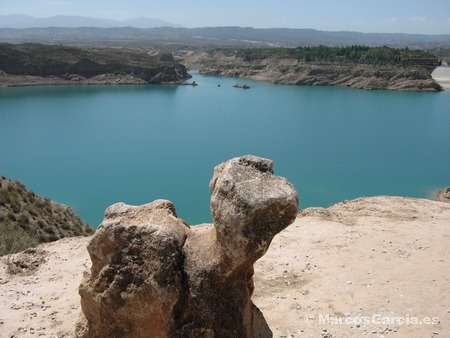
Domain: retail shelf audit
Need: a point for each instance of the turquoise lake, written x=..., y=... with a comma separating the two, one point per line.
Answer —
x=92, y=146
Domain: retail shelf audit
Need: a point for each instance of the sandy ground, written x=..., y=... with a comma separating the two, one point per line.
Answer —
x=359, y=261
x=344, y=271
x=442, y=76
x=43, y=302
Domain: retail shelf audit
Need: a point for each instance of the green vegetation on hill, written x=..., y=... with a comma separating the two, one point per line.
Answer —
x=355, y=66
x=353, y=54
x=14, y=239
x=27, y=219
x=217, y=37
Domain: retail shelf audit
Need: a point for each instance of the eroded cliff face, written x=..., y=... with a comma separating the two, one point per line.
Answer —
x=22, y=64
x=295, y=72
x=153, y=275
x=333, y=75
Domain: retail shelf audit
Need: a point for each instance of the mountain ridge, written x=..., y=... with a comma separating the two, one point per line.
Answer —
x=213, y=37
x=21, y=21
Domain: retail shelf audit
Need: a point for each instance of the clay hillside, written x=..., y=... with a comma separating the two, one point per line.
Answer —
x=360, y=67
x=36, y=64
x=27, y=219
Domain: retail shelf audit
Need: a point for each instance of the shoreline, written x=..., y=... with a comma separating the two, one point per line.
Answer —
x=440, y=76
x=9, y=81
x=365, y=78
x=291, y=71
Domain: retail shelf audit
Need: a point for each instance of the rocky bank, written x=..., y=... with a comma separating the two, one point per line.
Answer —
x=294, y=72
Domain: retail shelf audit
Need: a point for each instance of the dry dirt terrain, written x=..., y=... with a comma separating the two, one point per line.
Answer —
x=372, y=267
x=360, y=262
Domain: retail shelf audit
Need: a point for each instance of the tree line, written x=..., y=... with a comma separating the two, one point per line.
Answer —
x=351, y=54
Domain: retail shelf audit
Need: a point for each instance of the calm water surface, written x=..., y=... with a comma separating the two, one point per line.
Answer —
x=92, y=146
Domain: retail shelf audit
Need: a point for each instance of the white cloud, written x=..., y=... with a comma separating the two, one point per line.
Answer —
x=392, y=21
x=418, y=18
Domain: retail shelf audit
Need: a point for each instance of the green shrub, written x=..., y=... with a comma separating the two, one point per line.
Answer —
x=4, y=197
x=32, y=211
x=23, y=219
x=13, y=239
x=11, y=216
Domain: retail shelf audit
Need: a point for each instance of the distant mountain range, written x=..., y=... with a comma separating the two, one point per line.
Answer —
x=218, y=37
x=25, y=21
x=138, y=31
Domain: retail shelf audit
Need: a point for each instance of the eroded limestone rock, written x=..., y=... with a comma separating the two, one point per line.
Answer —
x=154, y=276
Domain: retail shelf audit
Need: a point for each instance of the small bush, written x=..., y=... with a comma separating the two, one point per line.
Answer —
x=23, y=219
x=33, y=211
x=4, y=197
x=13, y=239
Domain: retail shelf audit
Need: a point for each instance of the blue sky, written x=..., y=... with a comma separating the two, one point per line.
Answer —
x=404, y=16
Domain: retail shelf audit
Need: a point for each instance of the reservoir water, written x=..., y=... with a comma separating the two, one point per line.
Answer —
x=92, y=146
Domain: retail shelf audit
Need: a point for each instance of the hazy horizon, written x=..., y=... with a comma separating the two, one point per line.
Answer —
x=383, y=16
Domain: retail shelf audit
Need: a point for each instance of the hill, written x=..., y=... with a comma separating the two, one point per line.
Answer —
x=355, y=66
x=55, y=64
x=219, y=37
x=27, y=219
x=26, y=21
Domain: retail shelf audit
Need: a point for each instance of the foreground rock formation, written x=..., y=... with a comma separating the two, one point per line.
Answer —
x=153, y=275
x=391, y=250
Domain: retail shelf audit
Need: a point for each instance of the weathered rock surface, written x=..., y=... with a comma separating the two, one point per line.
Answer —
x=153, y=275
x=334, y=75
x=34, y=64
x=295, y=72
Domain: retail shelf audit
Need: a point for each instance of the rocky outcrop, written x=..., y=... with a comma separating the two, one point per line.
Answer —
x=443, y=195
x=153, y=275
x=292, y=71
x=360, y=77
